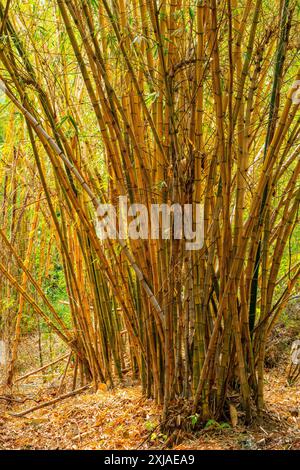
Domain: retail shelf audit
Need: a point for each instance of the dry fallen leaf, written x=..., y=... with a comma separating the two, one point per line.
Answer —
x=102, y=387
x=36, y=421
x=233, y=415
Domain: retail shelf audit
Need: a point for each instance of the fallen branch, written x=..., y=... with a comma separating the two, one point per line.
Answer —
x=61, y=358
x=51, y=402
x=16, y=400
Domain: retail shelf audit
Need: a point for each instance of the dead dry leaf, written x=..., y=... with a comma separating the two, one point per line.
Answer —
x=233, y=415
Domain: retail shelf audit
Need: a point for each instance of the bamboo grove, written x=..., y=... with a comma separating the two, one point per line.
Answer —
x=171, y=101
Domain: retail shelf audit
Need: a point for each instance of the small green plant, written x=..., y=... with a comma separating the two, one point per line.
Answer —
x=212, y=424
x=159, y=436
x=150, y=425
x=224, y=425
x=194, y=419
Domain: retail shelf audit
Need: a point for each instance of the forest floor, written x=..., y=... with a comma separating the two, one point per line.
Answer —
x=123, y=419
